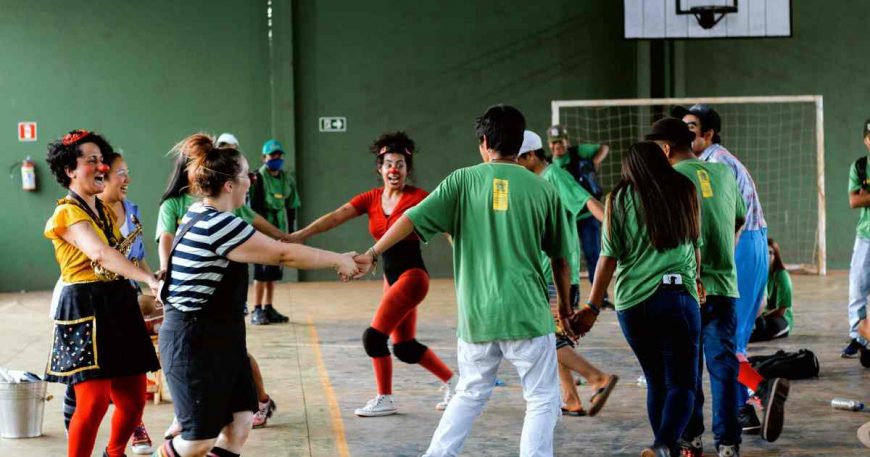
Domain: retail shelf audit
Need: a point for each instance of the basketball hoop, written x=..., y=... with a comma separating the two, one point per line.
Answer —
x=709, y=15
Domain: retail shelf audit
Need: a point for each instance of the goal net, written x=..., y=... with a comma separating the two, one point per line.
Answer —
x=779, y=139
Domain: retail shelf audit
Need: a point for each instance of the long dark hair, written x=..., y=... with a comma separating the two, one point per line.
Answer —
x=777, y=256
x=178, y=182
x=668, y=200
x=209, y=166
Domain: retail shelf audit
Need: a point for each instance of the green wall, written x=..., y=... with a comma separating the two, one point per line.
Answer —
x=826, y=56
x=145, y=74
x=430, y=68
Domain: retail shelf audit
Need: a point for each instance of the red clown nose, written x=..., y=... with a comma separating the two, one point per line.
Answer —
x=103, y=168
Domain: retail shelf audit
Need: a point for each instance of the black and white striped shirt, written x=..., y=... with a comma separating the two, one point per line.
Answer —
x=199, y=261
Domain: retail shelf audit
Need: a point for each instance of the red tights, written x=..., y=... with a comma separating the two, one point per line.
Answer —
x=397, y=317
x=92, y=401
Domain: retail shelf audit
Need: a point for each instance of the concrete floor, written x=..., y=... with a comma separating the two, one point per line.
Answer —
x=316, y=370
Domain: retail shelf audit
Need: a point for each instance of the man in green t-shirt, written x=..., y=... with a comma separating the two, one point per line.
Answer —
x=859, y=271
x=500, y=217
x=574, y=199
x=722, y=214
x=582, y=161
x=273, y=196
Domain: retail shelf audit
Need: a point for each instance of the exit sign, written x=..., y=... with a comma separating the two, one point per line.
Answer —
x=333, y=124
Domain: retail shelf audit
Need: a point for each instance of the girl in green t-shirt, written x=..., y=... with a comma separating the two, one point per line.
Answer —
x=650, y=239
x=776, y=320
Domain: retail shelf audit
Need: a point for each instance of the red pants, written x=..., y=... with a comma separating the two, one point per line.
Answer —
x=397, y=317
x=92, y=401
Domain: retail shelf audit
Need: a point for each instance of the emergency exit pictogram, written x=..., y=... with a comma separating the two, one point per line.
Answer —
x=27, y=131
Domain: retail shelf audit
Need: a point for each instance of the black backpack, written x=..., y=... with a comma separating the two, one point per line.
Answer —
x=802, y=364
x=861, y=168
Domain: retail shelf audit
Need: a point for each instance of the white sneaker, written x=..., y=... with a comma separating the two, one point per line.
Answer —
x=382, y=405
x=726, y=450
x=449, y=389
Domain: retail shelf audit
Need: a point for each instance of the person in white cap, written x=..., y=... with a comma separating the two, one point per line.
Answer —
x=574, y=200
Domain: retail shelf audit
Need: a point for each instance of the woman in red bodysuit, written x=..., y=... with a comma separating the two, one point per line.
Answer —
x=406, y=281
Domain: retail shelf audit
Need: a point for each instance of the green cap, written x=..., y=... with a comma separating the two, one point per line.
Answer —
x=271, y=147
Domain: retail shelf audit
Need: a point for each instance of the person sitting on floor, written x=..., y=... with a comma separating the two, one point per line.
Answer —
x=776, y=321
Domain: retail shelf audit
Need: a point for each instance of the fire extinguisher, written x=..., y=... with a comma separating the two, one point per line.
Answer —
x=28, y=175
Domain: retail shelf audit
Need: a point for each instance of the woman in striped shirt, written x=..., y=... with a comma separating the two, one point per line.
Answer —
x=202, y=340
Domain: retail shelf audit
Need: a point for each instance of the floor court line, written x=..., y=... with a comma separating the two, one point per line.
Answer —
x=334, y=411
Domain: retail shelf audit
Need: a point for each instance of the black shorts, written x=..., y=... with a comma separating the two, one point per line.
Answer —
x=268, y=272
x=209, y=375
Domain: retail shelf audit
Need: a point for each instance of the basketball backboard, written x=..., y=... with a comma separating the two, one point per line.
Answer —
x=676, y=19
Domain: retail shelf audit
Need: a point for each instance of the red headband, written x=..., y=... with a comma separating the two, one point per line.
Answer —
x=385, y=150
x=74, y=136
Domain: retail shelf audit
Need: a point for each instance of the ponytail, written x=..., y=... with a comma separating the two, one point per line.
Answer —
x=208, y=167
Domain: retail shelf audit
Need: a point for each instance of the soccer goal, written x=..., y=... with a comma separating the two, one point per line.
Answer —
x=779, y=139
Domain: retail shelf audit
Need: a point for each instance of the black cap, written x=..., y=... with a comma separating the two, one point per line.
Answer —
x=672, y=130
x=708, y=116
x=867, y=127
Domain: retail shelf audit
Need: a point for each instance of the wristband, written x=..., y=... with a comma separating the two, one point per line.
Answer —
x=595, y=308
x=374, y=255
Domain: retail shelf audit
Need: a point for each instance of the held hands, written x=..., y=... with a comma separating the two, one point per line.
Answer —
x=347, y=267
x=567, y=329
x=581, y=321
x=365, y=263
x=291, y=238
x=702, y=291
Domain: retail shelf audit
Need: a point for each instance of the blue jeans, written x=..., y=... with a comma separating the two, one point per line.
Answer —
x=664, y=332
x=718, y=324
x=752, y=269
x=589, y=230
x=859, y=286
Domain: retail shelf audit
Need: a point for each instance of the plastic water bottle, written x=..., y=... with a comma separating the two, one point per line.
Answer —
x=846, y=404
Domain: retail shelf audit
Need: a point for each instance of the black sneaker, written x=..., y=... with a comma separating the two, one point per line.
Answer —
x=865, y=356
x=728, y=450
x=748, y=420
x=851, y=349
x=258, y=317
x=274, y=316
x=773, y=394
x=693, y=448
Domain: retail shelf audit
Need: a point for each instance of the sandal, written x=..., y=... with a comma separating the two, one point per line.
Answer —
x=601, y=395
x=578, y=413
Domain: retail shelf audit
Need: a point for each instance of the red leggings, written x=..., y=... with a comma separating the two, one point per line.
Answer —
x=92, y=401
x=397, y=317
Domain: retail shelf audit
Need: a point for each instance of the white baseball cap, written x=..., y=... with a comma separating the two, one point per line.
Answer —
x=227, y=138
x=531, y=142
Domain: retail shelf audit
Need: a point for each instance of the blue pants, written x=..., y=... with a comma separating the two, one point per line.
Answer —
x=718, y=324
x=589, y=230
x=859, y=286
x=664, y=333
x=752, y=269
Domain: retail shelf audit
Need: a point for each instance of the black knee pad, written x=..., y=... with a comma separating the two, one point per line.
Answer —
x=375, y=343
x=410, y=351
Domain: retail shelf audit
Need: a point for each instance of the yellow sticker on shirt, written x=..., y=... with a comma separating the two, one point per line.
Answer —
x=278, y=196
x=499, y=194
x=706, y=187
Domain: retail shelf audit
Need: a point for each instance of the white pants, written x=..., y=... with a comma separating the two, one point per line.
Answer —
x=859, y=286
x=535, y=361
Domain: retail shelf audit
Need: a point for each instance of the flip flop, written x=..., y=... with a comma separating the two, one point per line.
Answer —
x=579, y=413
x=601, y=395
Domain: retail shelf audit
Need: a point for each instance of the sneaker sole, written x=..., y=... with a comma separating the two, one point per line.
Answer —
x=774, y=410
x=143, y=451
x=752, y=430
x=375, y=413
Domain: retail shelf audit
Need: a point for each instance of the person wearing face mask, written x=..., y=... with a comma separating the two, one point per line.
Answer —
x=96, y=292
x=406, y=280
x=273, y=196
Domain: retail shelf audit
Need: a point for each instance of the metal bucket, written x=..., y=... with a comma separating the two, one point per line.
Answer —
x=21, y=409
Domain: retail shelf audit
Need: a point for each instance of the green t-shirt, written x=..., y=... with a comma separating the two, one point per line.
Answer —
x=640, y=267
x=779, y=294
x=501, y=217
x=863, y=229
x=587, y=150
x=172, y=210
x=721, y=205
x=573, y=198
x=279, y=193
